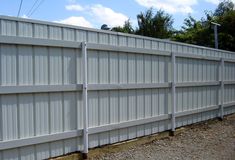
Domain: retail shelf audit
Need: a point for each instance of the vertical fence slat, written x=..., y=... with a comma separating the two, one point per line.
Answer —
x=85, y=109
x=173, y=69
x=222, y=89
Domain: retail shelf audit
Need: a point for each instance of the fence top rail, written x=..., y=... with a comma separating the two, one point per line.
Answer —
x=101, y=47
x=107, y=32
x=39, y=42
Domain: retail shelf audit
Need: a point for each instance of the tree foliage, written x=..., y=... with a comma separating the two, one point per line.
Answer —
x=227, y=30
x=201, y=32
x=195, y=32
x=157, y=25
x=126, y=28
x=224, y=7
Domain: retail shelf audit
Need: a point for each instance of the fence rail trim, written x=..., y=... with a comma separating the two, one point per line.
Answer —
x=40, y=88
x=39, y=42
x=101, y=47
x=100, y=87
x=39, y=139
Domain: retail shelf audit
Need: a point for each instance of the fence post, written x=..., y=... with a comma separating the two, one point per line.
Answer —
x=85, y=108
x=173, y=100
x=222, y=89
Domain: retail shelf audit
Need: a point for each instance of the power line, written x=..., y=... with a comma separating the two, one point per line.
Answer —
x=19, y=8
x=33, y=10
x=35, y=2
x=36, y=8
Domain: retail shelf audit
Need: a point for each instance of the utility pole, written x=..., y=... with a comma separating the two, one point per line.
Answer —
x=216, y=33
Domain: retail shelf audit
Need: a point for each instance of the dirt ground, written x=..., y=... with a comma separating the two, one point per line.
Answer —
x=211, y=140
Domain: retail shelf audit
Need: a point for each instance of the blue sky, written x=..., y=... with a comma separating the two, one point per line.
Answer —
x=94, y=13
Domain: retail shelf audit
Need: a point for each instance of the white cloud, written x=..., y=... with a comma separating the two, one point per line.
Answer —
x=74, y=7
x=107, y=15
x=77, y=21
x=170, y=6
x=100, y=14
x=24, y=16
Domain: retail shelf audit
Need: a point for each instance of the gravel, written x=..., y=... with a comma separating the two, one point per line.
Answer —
x=211, y=140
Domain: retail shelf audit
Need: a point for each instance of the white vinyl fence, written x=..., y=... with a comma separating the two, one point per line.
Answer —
x=66, y=89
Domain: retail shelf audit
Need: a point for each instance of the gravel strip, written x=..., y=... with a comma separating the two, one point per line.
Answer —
x=212, y=140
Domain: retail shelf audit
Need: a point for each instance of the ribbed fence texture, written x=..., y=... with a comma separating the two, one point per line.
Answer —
x=136, y=86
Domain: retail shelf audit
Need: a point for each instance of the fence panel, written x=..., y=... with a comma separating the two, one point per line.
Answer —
x=136, y=86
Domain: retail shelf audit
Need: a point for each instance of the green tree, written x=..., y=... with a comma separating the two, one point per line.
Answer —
x=224, y=7
x=126, y=28
x=194, y=32
x=227, y=30
x=158, y=25
x=201, y=32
